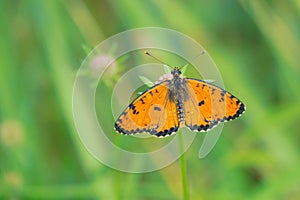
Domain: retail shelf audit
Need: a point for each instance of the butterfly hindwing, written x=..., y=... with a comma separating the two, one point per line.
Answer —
x=194, y=118
x=150, y=112
x=209, y=105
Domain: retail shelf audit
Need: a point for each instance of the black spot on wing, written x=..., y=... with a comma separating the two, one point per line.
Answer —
x=124, y=113
x=213, y=91
x=199, y=127
x=135, y=112
x=142, y=100
x=223, y=93
x=166, y=132
x=157, y=108
x=121, y=130
x=131, y=106
x=201, y=103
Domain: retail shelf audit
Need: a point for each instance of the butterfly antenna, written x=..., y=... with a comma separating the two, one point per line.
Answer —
x=147, y=53
x=201, y=53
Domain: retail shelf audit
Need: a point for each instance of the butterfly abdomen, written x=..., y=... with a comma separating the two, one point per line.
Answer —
x=180, y=112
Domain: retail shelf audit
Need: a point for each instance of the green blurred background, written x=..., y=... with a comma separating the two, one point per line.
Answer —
x=256, y=46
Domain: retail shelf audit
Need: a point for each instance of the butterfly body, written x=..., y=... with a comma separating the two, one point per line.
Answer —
x=178, y=102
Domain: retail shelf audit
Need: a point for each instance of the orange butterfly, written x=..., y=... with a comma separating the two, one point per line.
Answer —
x=179, y=102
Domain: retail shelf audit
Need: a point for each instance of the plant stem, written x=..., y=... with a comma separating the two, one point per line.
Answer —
x=183, y=169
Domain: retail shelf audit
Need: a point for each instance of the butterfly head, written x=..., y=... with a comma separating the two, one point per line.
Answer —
x=176, y=72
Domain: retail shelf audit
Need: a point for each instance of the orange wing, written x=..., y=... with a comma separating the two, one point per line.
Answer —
x=209, y=105
x=151, y=112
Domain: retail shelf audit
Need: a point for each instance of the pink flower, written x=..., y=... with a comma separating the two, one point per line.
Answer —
x=163, y=78
x=100, y=62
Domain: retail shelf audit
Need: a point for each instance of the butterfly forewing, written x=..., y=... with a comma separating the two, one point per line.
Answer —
x=151, y=112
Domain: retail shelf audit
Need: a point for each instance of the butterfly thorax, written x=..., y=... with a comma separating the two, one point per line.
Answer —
x=177, y=89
